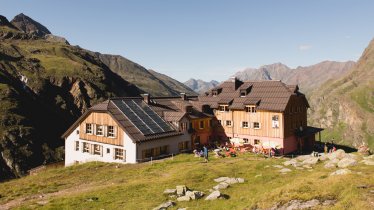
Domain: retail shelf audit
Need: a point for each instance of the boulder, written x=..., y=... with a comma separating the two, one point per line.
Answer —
x=323, y=157
x=303, y=157
x=368, y=162
x=277, y=166
x=231, y=181
x=330, y=165
x=170, y=191
x=184, y=198
x=307, y=166
x=181, y=190
x=213, y=196
x=285, y=170
x=194, y=194
x=221, y=179
x=165, y=205
x=341, y=172
x=240, y=180
x=220, y=186
x=311, y=161
x=338, y=154
x=290, y=162
x=346, y=162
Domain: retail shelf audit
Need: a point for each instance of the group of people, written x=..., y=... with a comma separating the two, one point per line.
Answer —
x=204, y=152
x=329, y=148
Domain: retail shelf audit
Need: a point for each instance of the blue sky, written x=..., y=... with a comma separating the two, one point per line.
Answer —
x=209, y=39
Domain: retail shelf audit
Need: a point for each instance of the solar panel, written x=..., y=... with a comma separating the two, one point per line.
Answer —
x=143, y=117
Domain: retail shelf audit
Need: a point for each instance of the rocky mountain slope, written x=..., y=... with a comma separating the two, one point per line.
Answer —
x=46, y=84
x=308, y=78
x=345, y=107
x=148, y=80
x=200, y=86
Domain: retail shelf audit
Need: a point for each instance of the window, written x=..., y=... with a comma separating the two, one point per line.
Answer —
x=111, y=131
x=256, y=125
x=215, y=93
x=245, y=141
x=228, y=122
x=97, y=149
x=275, y=121
x=86, y=147
x=223, y=108
x=257, y=141
x=183, y=145
x=107, y=150
x=89, y=128
x=242, y=93
x=118, y=154
x=251, y=109
x=220, y=122
x=245, y=124
x=201, y=124
x=77, y=146
x=99, y=130
x=183, y=126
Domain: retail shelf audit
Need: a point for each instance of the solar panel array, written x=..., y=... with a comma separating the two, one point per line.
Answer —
x=142, y=116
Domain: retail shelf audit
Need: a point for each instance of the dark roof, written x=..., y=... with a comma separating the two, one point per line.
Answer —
x=271, y=95
x=142, y=121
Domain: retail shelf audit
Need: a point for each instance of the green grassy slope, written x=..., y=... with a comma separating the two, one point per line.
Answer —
x=345, y=107
x=140, y=186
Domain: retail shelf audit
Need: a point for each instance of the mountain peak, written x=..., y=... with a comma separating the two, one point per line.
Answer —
x=4, y=22
x=28, y=25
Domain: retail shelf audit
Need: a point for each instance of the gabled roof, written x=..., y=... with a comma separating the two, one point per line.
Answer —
x=270, y=95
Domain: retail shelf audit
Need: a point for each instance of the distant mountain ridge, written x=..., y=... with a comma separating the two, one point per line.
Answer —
x=308, y=78
x=200, y=86
x=345, y=107
x=28, y=25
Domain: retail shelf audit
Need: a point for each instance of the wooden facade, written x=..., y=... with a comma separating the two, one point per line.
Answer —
x=97, y=118
x=202, y=130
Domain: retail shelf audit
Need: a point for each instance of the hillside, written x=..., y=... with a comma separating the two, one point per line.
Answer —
x=346, y=106
x=150, y=81
x=308, y=78
x=200, y=86
x=110, y=186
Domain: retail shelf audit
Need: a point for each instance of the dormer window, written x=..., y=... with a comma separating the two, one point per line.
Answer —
x=243, y=93
x=215, y=93
x=251, y=109
x=223, y=108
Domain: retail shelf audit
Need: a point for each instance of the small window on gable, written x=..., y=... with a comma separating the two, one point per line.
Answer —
x=243, y=93
x=89, y=128
x=214, y=93
x=99, y=130
x=223, y=108
x=111, y=131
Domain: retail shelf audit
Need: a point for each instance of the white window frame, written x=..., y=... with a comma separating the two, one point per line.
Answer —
x=228, y=124
x=111, y=134
x=97, y=129
x=243, y=126
x=91, y=128
x=96, y=149
x=117, y=155
x=84, y=147
x=251, y=109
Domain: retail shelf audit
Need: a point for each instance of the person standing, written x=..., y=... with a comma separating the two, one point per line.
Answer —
x=205, y=150
x=325, y=148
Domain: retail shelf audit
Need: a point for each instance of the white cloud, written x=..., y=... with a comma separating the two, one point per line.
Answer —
x=305, y=47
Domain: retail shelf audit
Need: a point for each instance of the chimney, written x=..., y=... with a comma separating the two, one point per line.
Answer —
x=237, y=83
x=146, y=98
x=184, y=96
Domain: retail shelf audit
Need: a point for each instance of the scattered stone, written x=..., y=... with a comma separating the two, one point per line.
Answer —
x=277, y=166
x=231, y=181
x=328, y=202
x=311, y=161
x=330, y=165
x=182, y=208
x=362, y=186
x=92, y=199
x=338, y=154
x=285, y=170
x=213, y=196
x=310, y=170
x=299, y=168
x=221, y=179
x=170, y=191
x=240, y=180
x=297, y=164
x=290, y=162
x=165, y=205
x=341, y=172
x=172, y=196
x=302, y=157
x=220, y=186
x=194, y=194
x=307, y=166
x=184, y=198
x=42, y=203
x=346, y=162
x=258, y=175
x=181, y=190
x=267, y=166
x=368, y=162
x=309, y=204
